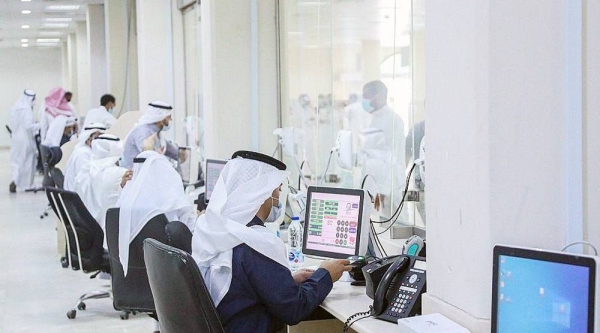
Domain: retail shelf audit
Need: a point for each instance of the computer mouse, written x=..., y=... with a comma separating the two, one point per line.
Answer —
x=357, y=261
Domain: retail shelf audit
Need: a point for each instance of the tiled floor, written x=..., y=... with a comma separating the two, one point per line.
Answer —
x=35, y=291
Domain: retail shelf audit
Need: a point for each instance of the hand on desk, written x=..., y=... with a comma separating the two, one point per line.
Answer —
x=302, y=275
x=336, y=267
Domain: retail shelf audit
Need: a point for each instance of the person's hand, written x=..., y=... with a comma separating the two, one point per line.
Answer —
x=126, y=177
x=182, y=156
x=302, y=275
x=336, y=267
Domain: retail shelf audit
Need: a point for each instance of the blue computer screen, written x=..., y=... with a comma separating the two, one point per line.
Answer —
x=541, y=296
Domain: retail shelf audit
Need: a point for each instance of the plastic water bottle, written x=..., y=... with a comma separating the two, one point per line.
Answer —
x=295, y=234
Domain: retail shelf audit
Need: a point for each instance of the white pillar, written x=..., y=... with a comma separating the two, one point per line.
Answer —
x=154, y=51
x=121, y=60
x=97, y=53
x=591, y=105
x=496, y=143
x=71, y=83
x=81, y=100
x=227, y=65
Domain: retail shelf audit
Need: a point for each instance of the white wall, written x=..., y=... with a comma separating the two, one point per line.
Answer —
x=591, y=107
x=496, y=143
x=82, y=98
x=227, y=76
x=31, y=68
x=97, y=54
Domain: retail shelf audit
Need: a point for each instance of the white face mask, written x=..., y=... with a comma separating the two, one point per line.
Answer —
x=275, y=211
x=166, y=127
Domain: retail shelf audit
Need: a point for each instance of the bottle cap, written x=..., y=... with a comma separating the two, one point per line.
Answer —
x=295, y=218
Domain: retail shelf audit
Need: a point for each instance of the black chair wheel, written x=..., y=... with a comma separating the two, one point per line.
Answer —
x=45, y=213
x=42, y=217
x=81, y=306
x=64, y=262
x=71, y=314
x=124, y=315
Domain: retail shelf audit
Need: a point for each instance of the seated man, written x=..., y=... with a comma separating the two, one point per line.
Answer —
x=81, y=154
x=99, y=180
x=155, y=188
x=244, y=265
x=155, y=120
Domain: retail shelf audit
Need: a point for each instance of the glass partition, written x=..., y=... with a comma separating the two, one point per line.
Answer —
x=352, y=76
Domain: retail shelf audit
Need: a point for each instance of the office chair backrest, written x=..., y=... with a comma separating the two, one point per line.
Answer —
x=78, y=221
x=53, y=177
x=132, y=292
x=182, y=301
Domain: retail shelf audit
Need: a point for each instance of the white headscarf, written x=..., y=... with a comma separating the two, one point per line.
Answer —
x=156, y=189
x=24, y=102
x=155, y=112
x=242, y=188
x=106, y=151
x=90, y=130
x=56, y=129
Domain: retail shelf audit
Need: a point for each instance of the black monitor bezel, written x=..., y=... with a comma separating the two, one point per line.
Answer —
x=210, y=160
x=332, y=190
x=540, y=255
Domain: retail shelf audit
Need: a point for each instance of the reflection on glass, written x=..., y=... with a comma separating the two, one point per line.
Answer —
x=357, y=66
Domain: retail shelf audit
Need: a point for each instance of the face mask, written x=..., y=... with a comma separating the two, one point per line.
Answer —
x=366, y=104
x=167, y=127
x=111, y=110
x=275, y=211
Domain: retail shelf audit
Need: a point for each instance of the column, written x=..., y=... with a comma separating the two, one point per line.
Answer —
x=496, y=144
x=97, y=53
x=81, y=99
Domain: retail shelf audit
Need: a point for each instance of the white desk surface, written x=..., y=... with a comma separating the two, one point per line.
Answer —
x=345, y=300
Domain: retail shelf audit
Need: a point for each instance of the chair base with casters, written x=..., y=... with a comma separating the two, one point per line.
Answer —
x=84, y=239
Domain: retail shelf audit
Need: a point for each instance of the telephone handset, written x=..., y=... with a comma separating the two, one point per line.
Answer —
x=399, y=292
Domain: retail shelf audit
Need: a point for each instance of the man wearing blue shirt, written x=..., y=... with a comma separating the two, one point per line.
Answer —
x=245, y=265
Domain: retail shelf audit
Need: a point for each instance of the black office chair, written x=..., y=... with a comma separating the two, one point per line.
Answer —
x=182, y=301
x=132, y=293
x=84, y=240
x=52, y=176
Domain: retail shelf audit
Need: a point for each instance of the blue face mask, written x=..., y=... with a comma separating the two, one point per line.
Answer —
x=275, y=211
x=366, y=104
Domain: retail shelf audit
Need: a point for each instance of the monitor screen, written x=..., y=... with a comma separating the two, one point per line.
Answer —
x=213, y=171
x=537, y=291
x=333, y=222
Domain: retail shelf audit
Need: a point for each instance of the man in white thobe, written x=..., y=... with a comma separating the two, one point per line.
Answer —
x=102, y=114
x=22, y=147
x=81, y=154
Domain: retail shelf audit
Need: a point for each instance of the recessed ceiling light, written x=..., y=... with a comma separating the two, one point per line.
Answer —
x=62, y=8
x=59, y=19
x=24, y=45
x=24, y=40
x=55, y=25
x=25, y=11
x=25, y=0
x=24, y=26
x=47, y=40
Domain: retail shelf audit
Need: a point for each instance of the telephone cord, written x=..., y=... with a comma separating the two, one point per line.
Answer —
x=364, y=315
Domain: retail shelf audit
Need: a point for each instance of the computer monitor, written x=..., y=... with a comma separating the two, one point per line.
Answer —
x=212, y=172
x=542, y=291
x=336, y=223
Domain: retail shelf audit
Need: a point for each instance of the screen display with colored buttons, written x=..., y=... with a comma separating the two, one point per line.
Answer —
x=333, y=222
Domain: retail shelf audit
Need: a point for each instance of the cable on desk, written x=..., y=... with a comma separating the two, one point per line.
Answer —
x=364, y=315
x=583, y=243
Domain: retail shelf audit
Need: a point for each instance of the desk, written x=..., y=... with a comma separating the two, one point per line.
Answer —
x=346, y=300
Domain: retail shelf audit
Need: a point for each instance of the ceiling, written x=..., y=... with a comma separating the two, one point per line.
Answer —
x=44, y=22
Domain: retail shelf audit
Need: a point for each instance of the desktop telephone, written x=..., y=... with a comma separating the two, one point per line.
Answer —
x=396, y=285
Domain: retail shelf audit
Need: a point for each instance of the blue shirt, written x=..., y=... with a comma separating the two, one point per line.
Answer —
x=263, y=296
x=135, y=144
